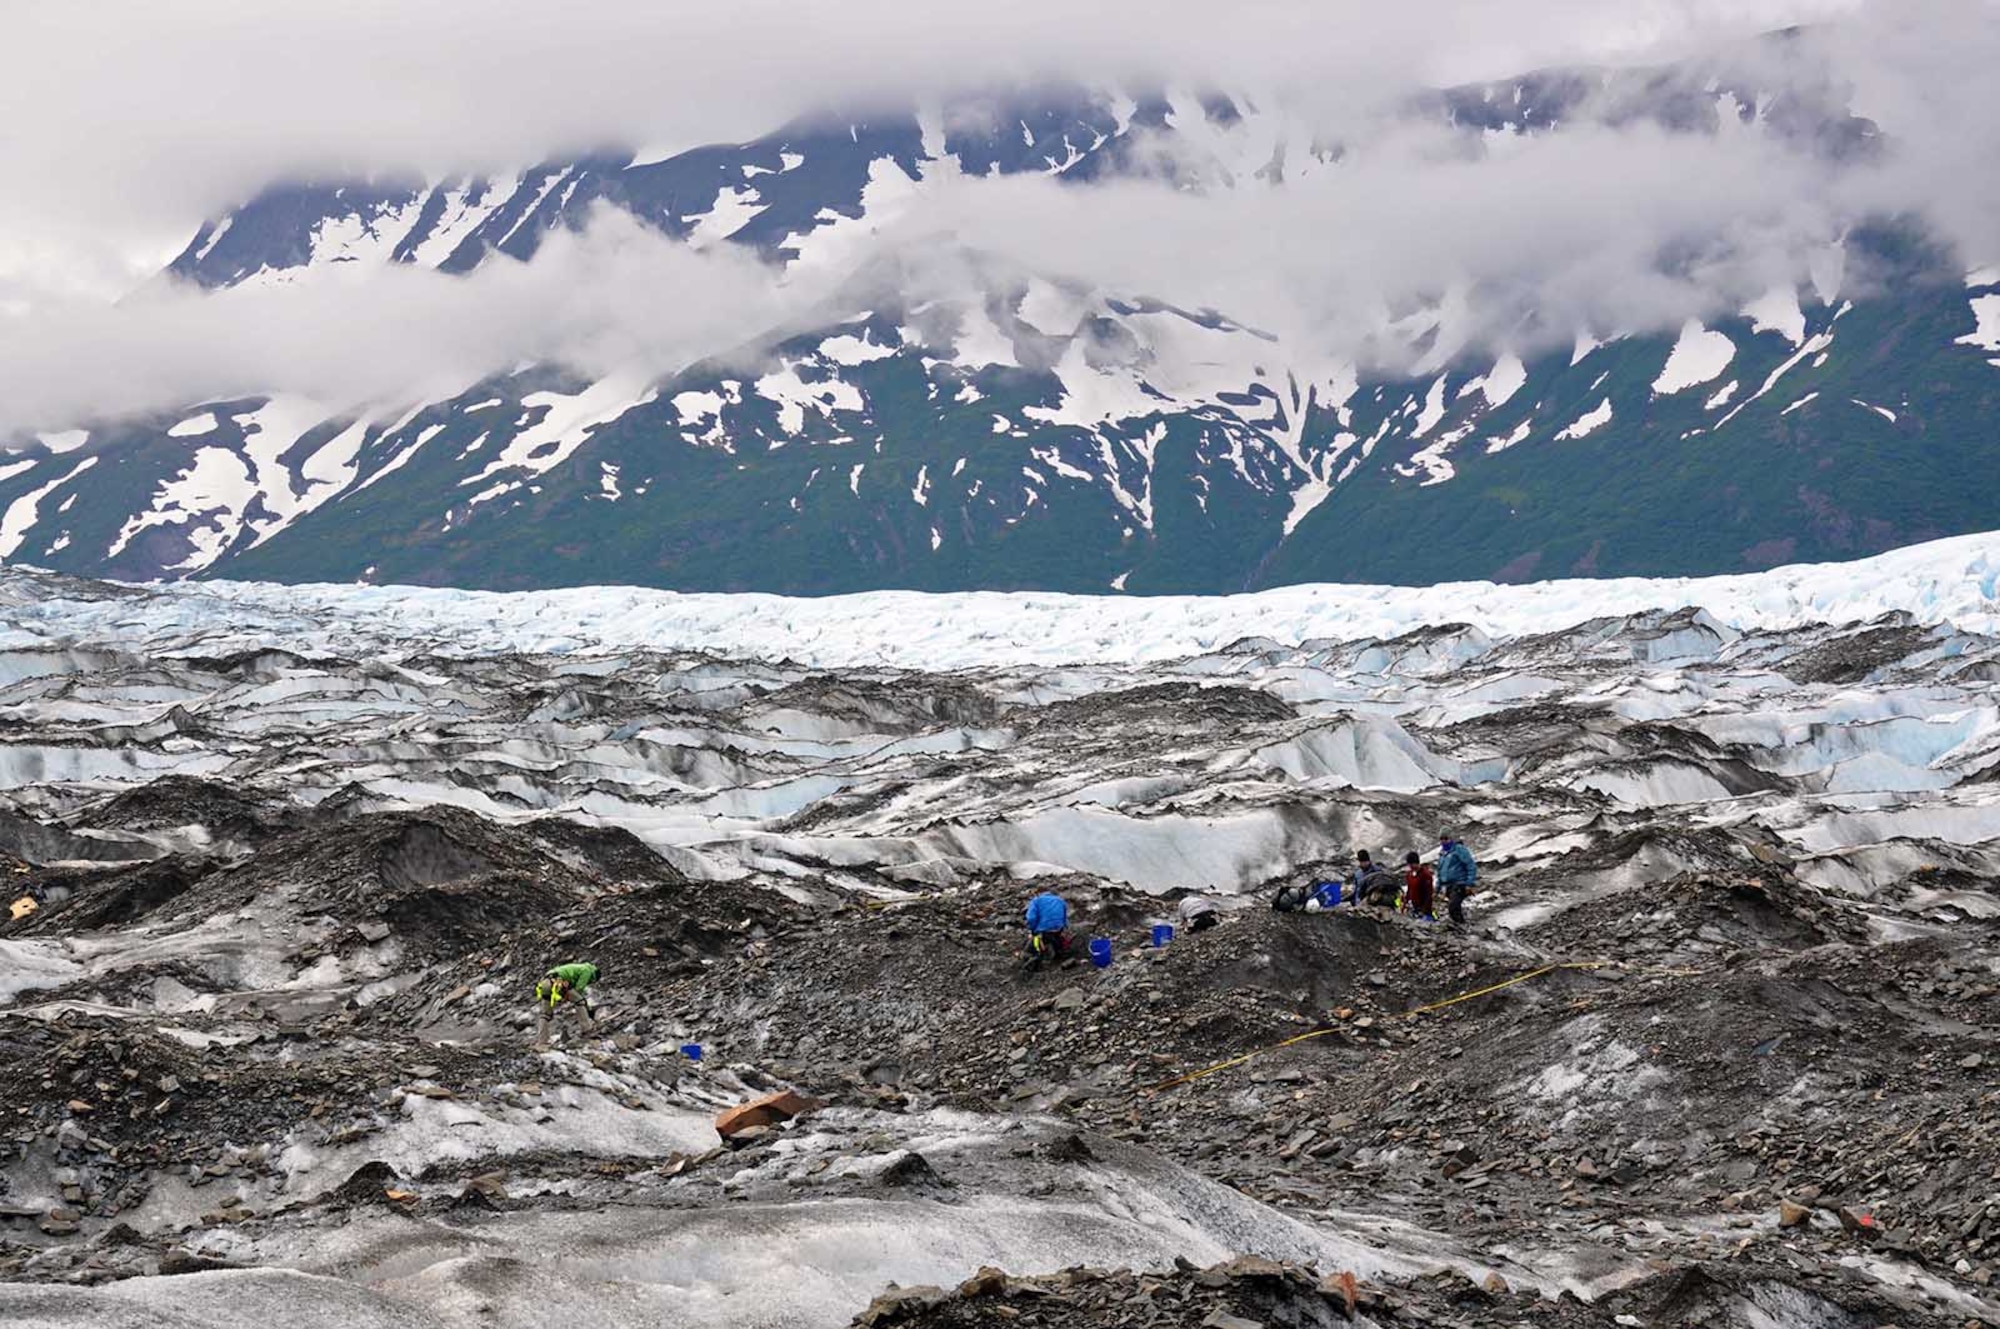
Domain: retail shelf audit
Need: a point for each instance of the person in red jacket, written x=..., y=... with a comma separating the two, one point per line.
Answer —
x=1419, y=888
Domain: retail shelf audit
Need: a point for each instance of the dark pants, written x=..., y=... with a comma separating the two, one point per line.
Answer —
x=1454, y=896
x=1047, y=948
x=1203, y=922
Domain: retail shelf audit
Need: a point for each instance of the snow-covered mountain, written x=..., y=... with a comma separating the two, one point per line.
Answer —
x=1029, y=431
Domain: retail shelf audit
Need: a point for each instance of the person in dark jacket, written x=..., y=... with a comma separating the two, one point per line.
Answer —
x=1048, y=929
x=1419, y=888
x=1373, y=883
x=1457, y=874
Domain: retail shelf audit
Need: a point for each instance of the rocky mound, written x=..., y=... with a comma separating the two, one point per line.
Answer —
x=1253, y=1293
x=1718, y=1044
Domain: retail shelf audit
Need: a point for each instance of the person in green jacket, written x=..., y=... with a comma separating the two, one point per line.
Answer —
x=565, y=987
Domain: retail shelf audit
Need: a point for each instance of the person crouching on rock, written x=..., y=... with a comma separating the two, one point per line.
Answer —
x=1048, y=930
x=1198, y=913
x=1373, y=883
x=1419, y=888
x=565, y=988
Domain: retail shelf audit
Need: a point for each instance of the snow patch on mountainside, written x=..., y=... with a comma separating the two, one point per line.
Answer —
x=1777, y=310
x=1500, y=383
x=1698, y=357
x=1814, y=345
x=980, y=342
x=566, y=424
x=1986, y=310
x=839, y=240
x=332, y=466
x=793, y=395
x=1520, y=435
x=269, y=433
x=25, y=511
x=847, y=349
x=1588, y=423
x=735, y=207
x=466, y=208
x=1433, y=409
x=1092, y=397
x=208, y=498
x=403, y=458
x=1304, y=499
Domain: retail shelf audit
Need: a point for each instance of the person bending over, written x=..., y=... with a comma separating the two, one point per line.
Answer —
x=1048, y=930
x=565, y=988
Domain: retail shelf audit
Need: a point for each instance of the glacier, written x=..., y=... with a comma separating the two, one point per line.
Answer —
x=1953, y=582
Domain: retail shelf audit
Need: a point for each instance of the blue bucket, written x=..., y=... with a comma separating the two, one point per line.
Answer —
x=1100, y=952
x=692, y=1051
x=1162, y=933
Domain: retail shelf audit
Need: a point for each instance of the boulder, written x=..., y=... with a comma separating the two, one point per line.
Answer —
x=1220, y=1319
x=766, y=1111
x=988, y=1282
x=911, y=1169
x=368, y=1182
x=898, y=1302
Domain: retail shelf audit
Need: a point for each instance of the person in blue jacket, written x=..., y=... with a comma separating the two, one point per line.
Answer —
x=1456, y=874
x=1048, y=929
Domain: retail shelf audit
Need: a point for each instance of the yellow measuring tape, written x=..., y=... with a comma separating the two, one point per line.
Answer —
x=1234, y=1062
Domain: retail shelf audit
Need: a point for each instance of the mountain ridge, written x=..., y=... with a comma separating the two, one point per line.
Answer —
x=1033, y=433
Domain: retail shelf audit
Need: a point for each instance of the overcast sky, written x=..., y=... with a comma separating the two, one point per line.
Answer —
x=129, y=122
